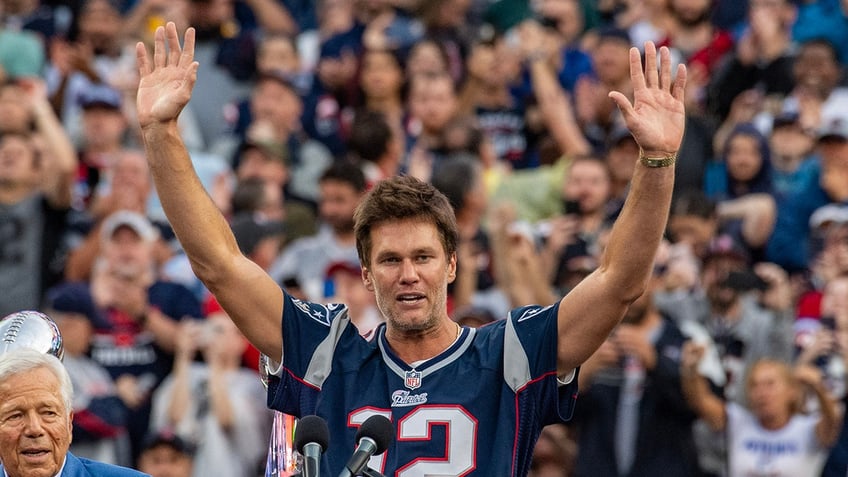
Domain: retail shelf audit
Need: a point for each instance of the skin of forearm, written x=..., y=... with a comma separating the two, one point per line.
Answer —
x=637, y=233
x=181, y=395
x=556, y=112
x=219, y=398
x=61, y=171
x=187, y=204
x=698, y=395
x=829, y=422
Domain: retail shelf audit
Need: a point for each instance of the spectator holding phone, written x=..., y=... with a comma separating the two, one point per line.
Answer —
x=217, y=404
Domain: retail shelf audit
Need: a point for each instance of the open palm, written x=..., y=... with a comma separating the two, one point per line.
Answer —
x=165, y=84
x=656, y=118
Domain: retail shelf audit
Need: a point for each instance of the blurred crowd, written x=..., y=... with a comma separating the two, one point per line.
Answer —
x=732, y=363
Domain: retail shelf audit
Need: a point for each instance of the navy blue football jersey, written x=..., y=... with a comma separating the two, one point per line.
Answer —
x=475, y=409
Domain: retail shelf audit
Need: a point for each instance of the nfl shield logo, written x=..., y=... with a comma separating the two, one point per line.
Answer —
x=412, y=379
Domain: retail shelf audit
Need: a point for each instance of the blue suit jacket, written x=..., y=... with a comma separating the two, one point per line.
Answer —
x=76, y=467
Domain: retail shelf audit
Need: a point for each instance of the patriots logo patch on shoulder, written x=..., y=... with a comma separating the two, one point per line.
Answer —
x=531, y=312
x=317, y=312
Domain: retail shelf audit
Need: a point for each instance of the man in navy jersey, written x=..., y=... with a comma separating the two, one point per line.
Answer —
x=462, y=401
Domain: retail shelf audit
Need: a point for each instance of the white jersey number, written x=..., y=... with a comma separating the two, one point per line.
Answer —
x=460, y=432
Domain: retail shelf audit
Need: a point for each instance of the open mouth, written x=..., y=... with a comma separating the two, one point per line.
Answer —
x=410, y=298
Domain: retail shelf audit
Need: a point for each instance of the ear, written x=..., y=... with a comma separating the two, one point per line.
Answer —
x=366, y=279
x=71, y=426
x=452, y=268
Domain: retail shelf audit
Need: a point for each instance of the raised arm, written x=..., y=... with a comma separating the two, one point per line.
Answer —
x=656, y=118
x=696, y=391
x=251, y=298
x=830, y=420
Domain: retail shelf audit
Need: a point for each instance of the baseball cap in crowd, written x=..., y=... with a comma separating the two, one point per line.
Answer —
x=100, y=96
x=75, y=297
x=614, y=33
x=725, y=246
x=250, y=229
x=170, y=439
x=829, y=214
x=834, y=130
x=336, y=45
x=784, y=119
x=349, y=267
x=131, y=220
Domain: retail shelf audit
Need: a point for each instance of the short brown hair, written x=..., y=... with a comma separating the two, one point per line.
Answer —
x=399, y=198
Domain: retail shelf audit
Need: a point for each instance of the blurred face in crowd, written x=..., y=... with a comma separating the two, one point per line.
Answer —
x=337, y=202
x=277, y=53
x=835, y=247
x=495, y=64
x=621, y=158
x=482, y=63
x=15, y=115
x=611, y=62
x=433, y=101
x=336, y=72
x=771, y=391
x=588, y=182
x=128, y=255
x=277, y=105
x=103, y=128
x=18, y=161
x=715, y=272
x=426, y=58
x=781, y=11
x=835, y=299
x=692, y=230
x=76, y=331
x=130, y=173
x=100, y=26
x=335, y=16
x=253, y=162
x=789, y=142
x=165, y=461
x=568, y=14
x=211, y=14
x=816, y=69
x=35, y=424
x=222, y=334
x=691, y=12
x=744, y=159
x=351, y=291
x=834, y=165
x=381, y=76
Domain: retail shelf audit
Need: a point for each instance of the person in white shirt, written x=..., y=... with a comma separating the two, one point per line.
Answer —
x=772, y=436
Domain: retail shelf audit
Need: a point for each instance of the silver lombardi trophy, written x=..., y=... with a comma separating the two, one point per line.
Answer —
x=30, y=329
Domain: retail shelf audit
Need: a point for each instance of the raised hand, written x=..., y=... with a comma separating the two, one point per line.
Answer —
x=165, y=84
x=656, y=118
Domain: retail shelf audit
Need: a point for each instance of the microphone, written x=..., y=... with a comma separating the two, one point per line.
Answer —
x=311, y=438
x=373, y=437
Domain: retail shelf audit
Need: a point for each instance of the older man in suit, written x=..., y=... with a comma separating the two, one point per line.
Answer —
x=36, y=420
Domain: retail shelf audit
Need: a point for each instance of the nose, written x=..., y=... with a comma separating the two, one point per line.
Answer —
x=32, y=425
x=408, y=272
